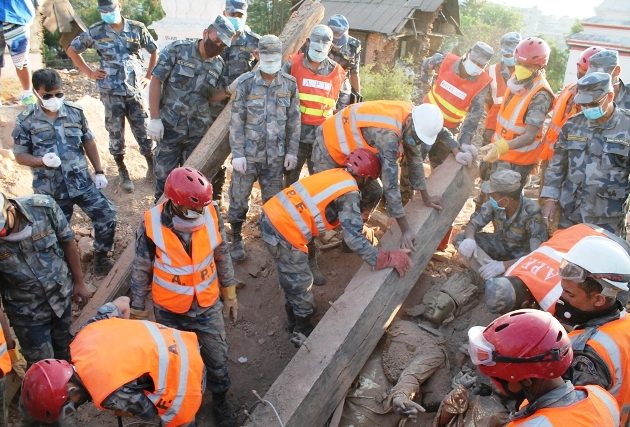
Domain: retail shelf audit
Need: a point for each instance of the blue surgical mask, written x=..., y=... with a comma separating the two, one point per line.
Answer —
x=593, y=113
x=317, y=55
x=111, y=17
x=237, y=23
x=495, y=204
x=509, y=61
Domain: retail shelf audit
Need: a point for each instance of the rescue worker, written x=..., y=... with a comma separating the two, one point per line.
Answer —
x=133, y=367
x=319, y=80
x=183, y=260
x=120, y=79
x=54, y=139
x=264, y=135
x=518, y=225
x=459, y=89
x=607, y=61
x=516, y=143
x=302, y=211
x=346, y=51
x=184, y=81
x=40, y=271
x=524, y=353
x=587, y=177
x=595, y=273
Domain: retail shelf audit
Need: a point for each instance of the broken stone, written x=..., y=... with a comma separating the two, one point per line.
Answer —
x=83, y=231
x=261, y=341
x=86, y=246
x=271, y=333
x=415, y=311
x=242, y=360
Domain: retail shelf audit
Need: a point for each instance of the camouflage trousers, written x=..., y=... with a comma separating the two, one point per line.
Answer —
x=494, y=246
x=117, y=108
x=308, y=134
x=210, y=330
x=615, y=225
x=100, y=210
x=269, y=177
x=294, y=273
x=45, y=341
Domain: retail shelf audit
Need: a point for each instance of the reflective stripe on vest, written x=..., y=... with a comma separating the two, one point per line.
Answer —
x=493, y=72
x=606, y=399
x=559, y=116
x=536, y=421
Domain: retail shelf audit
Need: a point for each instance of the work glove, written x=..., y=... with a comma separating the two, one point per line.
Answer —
x=290, y=162
x=492, y=269
x=467, y=248
x=406, y=407
x=464, y=158
x=239, y=164
x=490, y=153
x=136, y=314
x=230, y=303
x=398, y=259
x=100, y=181
x=51, y=160
x=155, y=130
x=469, y=148
x=18, y=363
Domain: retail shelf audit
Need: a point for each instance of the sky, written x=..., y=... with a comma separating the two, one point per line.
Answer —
x=572, y=8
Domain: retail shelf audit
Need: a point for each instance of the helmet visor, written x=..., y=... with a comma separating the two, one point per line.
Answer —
x=480, y=350
x=575, y=273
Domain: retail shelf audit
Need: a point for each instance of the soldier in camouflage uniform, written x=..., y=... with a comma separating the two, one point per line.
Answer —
x=39, y=272
x=587, y=177
x=346, y=51
x=518, y=225
x=54, y=139
x=607, y=61
x=264, y=134
x=120, y=79
x=186, y=77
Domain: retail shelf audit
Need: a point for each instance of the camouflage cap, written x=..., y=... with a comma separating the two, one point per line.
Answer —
x=509, y=41
x=235, y=6
x=500, y=295
x=270, y=45
x=338, y=23
x=593, y=87
x=224, y=28
x=481, y=53
x=603, y=61
x=105, y=6
x=321, y=34
x=502, y=181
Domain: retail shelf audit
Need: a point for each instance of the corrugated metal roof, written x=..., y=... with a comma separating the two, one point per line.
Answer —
x=603, y=39
x=378, y=16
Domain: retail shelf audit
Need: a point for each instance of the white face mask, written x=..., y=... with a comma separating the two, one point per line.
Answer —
x=471, y=68
x=187, y=225
x=270, y=67
x=20, y=235
x=53, y=104
x=317, y=52
x=515, y=87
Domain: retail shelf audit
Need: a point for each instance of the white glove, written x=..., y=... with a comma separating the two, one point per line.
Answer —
x=467, y=248
x=492, y=269
x=239, y=164
x=51, y=160
x=464, y=158
x=155, y=130
x=290, y=162
x=469, y=148
x=100, y=181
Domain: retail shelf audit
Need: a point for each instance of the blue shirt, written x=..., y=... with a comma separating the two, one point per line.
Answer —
x=20, y=12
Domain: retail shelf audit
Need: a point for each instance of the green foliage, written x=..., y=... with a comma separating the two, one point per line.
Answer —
x=576, y=27
x=557, y=64
x=146, y=11
x=268, y=16
x=387, y=83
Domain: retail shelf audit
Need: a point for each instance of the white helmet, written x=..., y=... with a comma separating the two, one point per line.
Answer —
x=600, y=258
x=427, y=122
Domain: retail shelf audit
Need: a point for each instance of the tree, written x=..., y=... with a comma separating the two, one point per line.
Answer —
x=145, y=11
x=268, y=16
x=557, y=64
x=576, y=27
x=487, y=22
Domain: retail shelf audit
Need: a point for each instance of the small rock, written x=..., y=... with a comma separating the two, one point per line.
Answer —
x=415, y=311
x=86, y=249
x=242, y=360
x=261, y=341
x=271, y=332
x=83, y=231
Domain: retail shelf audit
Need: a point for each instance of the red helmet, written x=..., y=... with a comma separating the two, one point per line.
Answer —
x=582, y=63
x=519, y=345
x=188, y=187
x=45, y=389
x=363, y=162
x=532, y=51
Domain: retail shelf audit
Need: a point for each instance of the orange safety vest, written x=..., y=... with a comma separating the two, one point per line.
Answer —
x=318, y=94
x=511, y=123
x=611, y=342
x=539, y=269
x=563, y=108
x=598, y=408
x=298, y=212
x=178, y=277
x=5, y=359
x=454, y=94
x=342, y=132
x=498, y=85
x=109, y=353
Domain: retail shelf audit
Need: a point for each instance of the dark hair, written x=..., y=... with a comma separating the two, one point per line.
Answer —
x=590, y=285
x=48, y=78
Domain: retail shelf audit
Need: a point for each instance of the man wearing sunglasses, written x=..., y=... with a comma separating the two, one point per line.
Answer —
x=587, y=177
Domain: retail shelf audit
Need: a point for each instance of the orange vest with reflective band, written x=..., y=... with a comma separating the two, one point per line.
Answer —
x=178, y=277
x=108, y=354
x=342, y=132
x=539, y=269
x=454, y=94
x=498, y=85
x=5, y=359
x=597, y=409
x=563, y=108
x=511, y=123
x=611, y=342
x=298, y=213
x=318, y=94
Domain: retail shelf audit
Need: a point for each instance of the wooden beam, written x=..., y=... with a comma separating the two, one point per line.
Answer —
x=208, y=157
x=317, y=378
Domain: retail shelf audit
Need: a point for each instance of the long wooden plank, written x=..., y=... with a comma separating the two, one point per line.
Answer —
x=319, y=375
x=208, y=157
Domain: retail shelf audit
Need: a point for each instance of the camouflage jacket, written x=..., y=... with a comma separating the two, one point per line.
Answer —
x=265, y=121
x=239, y=57
x=37, y=134
x=348, y=56
x=119, y=52
x=35, y=282
x=622, y=98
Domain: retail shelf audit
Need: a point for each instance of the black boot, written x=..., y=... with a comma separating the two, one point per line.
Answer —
x=303, y=328
x=237, y=251
x=150, y=168
x=123, y=173
x=102, y=263
x=290, y=317
x=318, y=278
x=222, y=411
